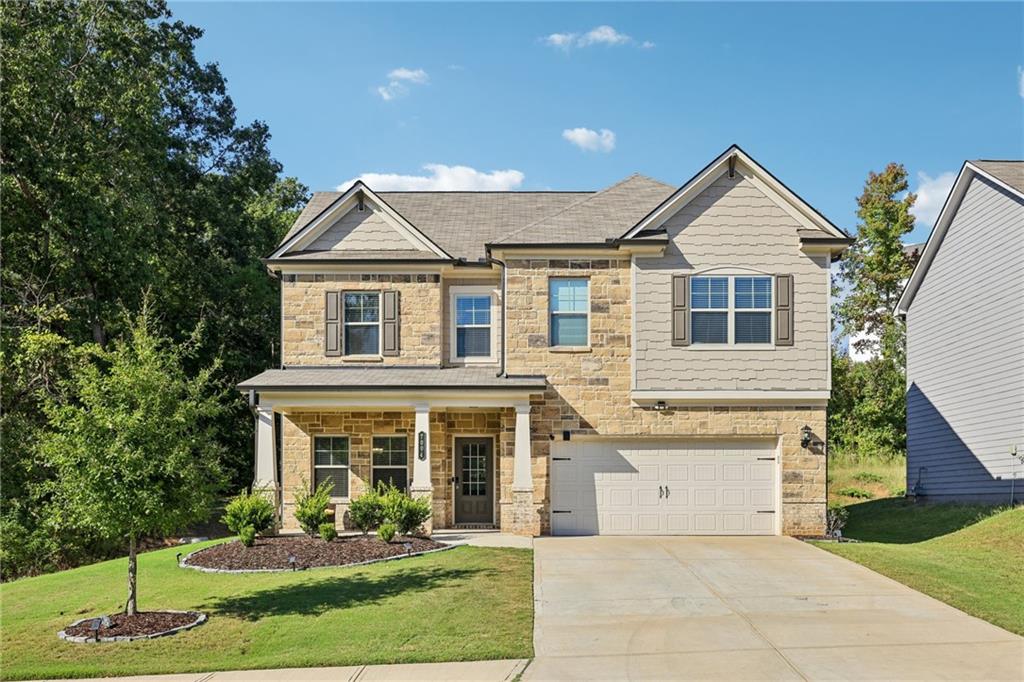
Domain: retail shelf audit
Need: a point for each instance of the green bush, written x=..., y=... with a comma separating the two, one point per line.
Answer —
x=836, y=517
x=868, y=477
x=247, y=535
x=247, y=510
x=327, y=531
x=859, y=493
x=406, y=513
x=366, y=512
x=387, y=531
x=311, y=508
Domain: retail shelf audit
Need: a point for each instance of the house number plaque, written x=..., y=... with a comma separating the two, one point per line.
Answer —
x=422, y=446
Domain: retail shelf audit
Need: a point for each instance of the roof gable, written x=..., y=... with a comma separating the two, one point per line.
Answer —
x=731, y=161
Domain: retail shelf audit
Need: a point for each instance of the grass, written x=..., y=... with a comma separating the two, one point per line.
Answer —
x=850, y=479
x=470, y=603
x=969, y=556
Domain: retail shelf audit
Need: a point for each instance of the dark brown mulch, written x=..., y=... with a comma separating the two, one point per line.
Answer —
x=273, y=552
x=142, y=623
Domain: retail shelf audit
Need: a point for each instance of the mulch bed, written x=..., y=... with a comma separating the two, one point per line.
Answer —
x=142, y=624
x=269, y=554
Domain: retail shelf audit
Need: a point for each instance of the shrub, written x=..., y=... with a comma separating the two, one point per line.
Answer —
x=386, y=532
x=366, y=512
x=860, y=493
x=836, y=517
x=247, y=510
x=311, y=508
x=247, y=534
x=327, y=531
x=868, y=477
x=406, y=513
x=899, y=492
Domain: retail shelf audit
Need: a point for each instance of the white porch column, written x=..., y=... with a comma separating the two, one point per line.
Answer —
x=266, y=466
x=522, y=473
x=421, y=482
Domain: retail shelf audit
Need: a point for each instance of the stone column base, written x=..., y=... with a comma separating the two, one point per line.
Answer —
x=428, y=494
x=521, y=516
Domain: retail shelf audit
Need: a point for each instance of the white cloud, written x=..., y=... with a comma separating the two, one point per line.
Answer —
x=1020, y=81
x=440, y=177
x=931, y=195
x=591, y=140
x=399, y=80
x=599, y=35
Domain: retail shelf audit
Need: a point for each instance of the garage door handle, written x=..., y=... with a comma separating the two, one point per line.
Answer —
x=561, y=459
x=561, y=511
x=661, y=492
x=667, y=492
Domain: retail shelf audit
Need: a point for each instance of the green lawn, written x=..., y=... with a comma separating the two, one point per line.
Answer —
x=875, y=478
x=968, y=556
x=469, y=603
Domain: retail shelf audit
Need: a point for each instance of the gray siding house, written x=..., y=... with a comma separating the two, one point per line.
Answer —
x=964, y=309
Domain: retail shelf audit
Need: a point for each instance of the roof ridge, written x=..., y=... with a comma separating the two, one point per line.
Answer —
x=582, y=200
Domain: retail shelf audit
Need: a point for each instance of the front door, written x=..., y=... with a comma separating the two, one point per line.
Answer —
x=474, y=480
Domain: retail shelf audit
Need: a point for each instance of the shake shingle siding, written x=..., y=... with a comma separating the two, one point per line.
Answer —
x=965, y=354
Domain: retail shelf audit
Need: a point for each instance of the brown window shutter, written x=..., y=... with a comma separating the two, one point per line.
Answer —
x=332, y=319
x=391, y=322
x=783, y=310
x=680, y=310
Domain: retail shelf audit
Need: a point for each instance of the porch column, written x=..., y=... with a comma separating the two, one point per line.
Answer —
x=265, y=471
x=525, y=520
x=422, y=485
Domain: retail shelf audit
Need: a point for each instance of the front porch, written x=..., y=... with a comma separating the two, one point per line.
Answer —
x=468, y=451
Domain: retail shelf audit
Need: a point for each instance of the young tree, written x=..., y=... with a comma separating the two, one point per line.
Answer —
x=135, y=453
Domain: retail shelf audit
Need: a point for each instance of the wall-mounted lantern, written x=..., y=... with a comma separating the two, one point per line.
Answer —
x=805, y=437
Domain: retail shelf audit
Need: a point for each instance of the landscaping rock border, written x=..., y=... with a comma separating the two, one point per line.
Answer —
x=77, y=639
x=205, y=569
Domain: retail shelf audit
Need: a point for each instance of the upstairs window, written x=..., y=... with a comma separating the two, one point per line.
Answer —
x=362, y=323
x=569, y=303
x=473, y=331
x=731, y=310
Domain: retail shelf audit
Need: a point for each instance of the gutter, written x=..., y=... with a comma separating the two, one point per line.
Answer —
x=504, y=314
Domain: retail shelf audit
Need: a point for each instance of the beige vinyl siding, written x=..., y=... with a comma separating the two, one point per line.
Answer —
x=365, y=230
x=732, y=224
x=965, y=353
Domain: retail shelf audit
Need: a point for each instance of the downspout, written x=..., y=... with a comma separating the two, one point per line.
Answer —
x=504, y=314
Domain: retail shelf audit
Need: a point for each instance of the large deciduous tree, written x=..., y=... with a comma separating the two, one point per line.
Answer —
x=124, y=169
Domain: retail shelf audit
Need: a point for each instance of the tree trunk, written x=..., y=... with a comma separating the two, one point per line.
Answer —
x=130, y=608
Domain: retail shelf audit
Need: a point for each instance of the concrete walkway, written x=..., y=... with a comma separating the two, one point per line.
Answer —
x=477, y=671
x=742, y=609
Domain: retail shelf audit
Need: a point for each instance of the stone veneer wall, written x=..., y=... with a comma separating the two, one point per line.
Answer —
x=360, y=426
x=303, y=302
x=589, y=389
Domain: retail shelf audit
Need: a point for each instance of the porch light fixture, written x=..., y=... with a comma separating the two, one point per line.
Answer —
x=291, y=561
x=805, y=436
x=661, y=405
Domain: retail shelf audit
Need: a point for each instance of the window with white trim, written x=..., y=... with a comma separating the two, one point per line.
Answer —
x=569, y=311
x=362, y=322
x=473, y=311
x=734, y=309
x=390, y=459
x=330, y=463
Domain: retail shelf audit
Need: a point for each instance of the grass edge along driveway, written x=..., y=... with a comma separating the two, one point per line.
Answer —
x=469, y=603
x=968, y=556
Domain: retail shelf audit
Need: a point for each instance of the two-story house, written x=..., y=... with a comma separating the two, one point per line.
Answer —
x=643, y=359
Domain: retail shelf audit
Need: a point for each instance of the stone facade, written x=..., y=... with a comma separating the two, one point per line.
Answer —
x=304, y=328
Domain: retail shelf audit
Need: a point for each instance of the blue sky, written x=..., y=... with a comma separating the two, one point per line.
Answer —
x=576, y=96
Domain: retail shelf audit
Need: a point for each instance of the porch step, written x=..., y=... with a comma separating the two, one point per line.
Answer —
x=474, y=526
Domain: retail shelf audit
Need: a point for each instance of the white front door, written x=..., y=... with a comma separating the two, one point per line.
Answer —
x=725, y=487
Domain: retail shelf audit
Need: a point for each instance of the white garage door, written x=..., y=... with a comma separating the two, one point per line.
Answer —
x=663, y=488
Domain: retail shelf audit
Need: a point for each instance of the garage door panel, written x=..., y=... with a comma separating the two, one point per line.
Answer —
x=663, y=487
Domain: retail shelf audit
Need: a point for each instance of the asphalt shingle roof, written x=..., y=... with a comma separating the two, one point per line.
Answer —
x=1010, y=172
x=388, y=378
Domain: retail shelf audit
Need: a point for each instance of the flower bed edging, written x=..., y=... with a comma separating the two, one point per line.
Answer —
x=184, y=563
x=200, y=619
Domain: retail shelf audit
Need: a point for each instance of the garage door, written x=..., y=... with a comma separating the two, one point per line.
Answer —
x=663, y=488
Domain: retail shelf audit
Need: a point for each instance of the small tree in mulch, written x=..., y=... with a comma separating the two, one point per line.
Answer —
x=135, y=454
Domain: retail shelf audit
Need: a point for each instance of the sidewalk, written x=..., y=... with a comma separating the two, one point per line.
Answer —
x=477, y=671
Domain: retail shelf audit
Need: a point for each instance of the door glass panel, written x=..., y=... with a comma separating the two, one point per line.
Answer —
x=474, y=470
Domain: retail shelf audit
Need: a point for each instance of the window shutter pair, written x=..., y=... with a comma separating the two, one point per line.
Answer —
x=390, y=324
x=783, y=310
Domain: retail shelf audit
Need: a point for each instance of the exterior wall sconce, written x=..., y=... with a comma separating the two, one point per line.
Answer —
x=805, y=437
x=660, y=405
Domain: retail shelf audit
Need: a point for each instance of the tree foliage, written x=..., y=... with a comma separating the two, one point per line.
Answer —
x=124, y=170
x=867, y=413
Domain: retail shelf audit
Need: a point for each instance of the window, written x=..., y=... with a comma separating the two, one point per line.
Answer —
x=330, y=463
x=731, y=310
x=391, y=461
x=472, y=326
x=362, y=323
x=569, y=301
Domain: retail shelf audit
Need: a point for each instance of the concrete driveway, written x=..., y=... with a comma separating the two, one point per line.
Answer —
x=744, y=608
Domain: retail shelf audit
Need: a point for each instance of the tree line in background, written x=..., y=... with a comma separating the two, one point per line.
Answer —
x=125, y=178
x=867, y=412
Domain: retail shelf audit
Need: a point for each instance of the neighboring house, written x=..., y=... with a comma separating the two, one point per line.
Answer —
x=639, y=360
x=964, y=307
x=863, y=346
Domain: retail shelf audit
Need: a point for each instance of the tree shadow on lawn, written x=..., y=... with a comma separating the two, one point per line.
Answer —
x=899, y=521
x=315, y=596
